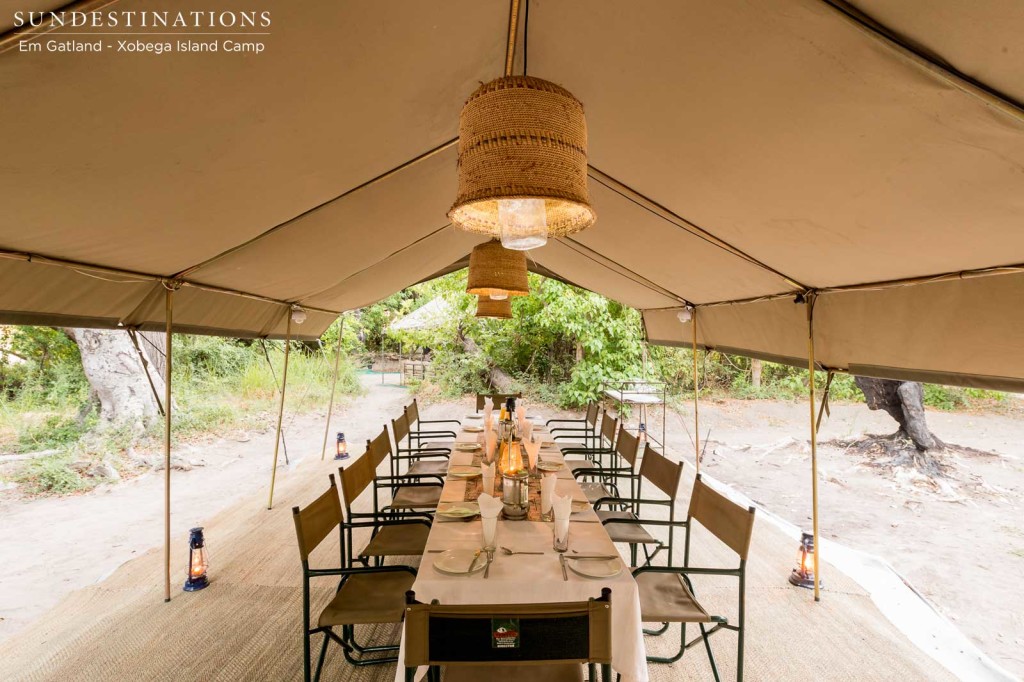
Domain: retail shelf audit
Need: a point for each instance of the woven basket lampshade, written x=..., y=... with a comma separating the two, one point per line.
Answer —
x=487, y=307
x=522, y=163
x=493, y=269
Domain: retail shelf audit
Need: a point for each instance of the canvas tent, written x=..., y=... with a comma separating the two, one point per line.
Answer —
x=741, y=153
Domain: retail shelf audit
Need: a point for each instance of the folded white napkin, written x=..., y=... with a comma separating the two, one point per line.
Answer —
x=532, y=452
x=521, y=413
x=487, y=470
x=491, y=440
x=547, y=492
x=489, y=510
x=487, y=412
x=527, y=429
x=563, y=508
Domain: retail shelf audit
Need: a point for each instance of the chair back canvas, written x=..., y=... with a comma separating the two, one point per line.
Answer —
x=400, y=427
x=317, y=520
x=661, y=471
x=609, y=425
x=379, y=448
x=355, y=478
x=593, y=410
x=412, y=413
x=577, y=632
x=726, y=520
x=627, y=445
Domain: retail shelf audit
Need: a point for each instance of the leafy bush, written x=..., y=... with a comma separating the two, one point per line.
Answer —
x=52, y=475
x=56, y=431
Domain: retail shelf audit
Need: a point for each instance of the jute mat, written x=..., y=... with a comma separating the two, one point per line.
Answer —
x=247, y=624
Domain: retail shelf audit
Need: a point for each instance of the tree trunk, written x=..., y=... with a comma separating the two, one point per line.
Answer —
x=498, y=378
x=904, y=401
x=755, y=373
x=117, y=378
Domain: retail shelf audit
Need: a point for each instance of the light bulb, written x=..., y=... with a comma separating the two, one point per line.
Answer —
x=524, y=223
x=298, y=315
x=500, y=296
x=685, y=315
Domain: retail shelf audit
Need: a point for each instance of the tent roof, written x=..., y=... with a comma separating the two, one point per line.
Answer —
x=739, y=154
x=431, y=315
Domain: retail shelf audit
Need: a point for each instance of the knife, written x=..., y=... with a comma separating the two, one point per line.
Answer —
x=565, y=574
x=595, y=557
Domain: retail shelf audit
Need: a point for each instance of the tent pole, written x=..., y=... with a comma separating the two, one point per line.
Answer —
x=814, y=446
x=280, y=409
x=334, y=383
x=696, y=391
x=168, y=317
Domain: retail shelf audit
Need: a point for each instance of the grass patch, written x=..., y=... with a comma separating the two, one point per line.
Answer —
x=55, y=432
x=51, y=476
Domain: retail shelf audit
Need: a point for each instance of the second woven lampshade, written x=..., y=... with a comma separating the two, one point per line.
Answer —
x=486, y=307
x=493, y=269
x=522, y=163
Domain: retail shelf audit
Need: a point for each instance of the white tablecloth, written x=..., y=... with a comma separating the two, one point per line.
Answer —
x=531, y=578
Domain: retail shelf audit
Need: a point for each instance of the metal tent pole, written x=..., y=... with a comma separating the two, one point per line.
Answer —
x=168, y=316
x=334, y=383
x=280, y=409
x=814, y=447
x=696, y=392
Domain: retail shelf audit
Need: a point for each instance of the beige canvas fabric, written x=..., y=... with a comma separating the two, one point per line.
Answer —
x=737, y=151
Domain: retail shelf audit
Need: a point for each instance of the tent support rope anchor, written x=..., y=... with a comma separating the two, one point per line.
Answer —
x=280, y=409
x=334, y=383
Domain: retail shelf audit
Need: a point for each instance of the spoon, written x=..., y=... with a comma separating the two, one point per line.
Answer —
x=509, y=552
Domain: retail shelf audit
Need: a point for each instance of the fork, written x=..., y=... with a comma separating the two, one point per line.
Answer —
x=490, y=558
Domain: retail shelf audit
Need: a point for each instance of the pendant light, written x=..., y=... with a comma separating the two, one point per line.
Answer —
x=497, y=271
x=488, y=307
x=522, y=159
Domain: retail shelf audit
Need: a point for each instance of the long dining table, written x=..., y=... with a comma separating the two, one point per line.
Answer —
x=528, y=578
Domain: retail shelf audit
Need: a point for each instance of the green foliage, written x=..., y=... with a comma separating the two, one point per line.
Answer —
x=56, y=431
x=51, y=475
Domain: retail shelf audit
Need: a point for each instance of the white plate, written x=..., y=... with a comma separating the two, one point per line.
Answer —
x=468, y=447
x=580, y=506
x=592, y=568
x=549, y=466
x=460, y=510
x=463, y=471
x=471, y=428
x=456, y=562
x=474, y=416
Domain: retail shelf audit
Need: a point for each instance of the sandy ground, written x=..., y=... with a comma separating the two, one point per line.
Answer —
x=964, y=550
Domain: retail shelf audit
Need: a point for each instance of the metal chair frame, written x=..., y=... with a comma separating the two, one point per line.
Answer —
x=720, y=622
x=351, y=649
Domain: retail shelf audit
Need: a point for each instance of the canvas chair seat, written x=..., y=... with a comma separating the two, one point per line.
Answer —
x=429, y=467
x=433, y=444
x=369, y=598
x=595, y=490
x=632, y=533
x=416, y=497
x=573, y=463
x=664, y=598
x=570, y=672
x=408, y=539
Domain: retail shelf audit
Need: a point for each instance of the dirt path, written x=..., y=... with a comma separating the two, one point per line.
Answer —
x=966, y=555
x=52, y=546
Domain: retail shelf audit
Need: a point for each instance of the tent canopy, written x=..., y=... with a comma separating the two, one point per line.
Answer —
x=871, y=153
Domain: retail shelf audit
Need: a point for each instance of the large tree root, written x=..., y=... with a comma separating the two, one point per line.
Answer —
x=936, y=470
